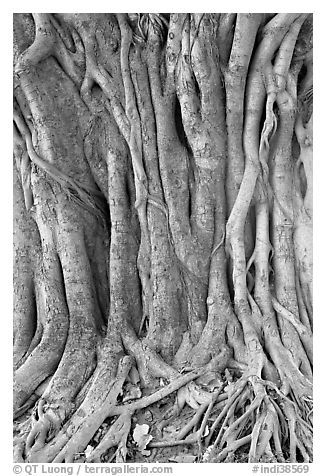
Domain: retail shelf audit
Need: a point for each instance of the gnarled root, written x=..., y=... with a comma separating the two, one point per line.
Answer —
x=260, y=415
x=116, y=436
x=45, y=426
x=72, y=440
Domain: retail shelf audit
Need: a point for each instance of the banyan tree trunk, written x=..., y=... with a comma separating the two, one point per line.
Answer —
x=163, y=234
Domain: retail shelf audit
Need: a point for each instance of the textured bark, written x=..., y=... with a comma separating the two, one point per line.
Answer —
x=163, y=234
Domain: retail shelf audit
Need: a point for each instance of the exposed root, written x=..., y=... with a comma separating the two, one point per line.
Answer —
x=264, y=418
x=244, y=365
x=46, y=425
x=122, y=425
x=65, y=446
x=72, y=440
x=19, y=446
x=181, y=437
x=116, y=436
x=251, y=413
x=300, y=435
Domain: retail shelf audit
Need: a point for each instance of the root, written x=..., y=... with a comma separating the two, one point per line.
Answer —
x=304, y=332
x=251, y=413
x=74, y=438
x=181, y=437
x=188, y=190
x=40, y=431
x=19, y=446
x=265, y=423
x=295, y=442
x=45, y=425
x=76, y=434
x=121, y=427
x=116, y=436
x=227, y=452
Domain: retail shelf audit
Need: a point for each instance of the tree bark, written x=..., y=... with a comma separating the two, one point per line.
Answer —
x=163, y=235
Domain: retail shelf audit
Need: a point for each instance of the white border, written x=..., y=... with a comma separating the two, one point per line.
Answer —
x=319, y=201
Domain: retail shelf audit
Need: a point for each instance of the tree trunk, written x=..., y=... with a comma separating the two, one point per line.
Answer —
x=163, y=236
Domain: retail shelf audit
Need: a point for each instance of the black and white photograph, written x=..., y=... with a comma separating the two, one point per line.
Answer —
x=162, y=241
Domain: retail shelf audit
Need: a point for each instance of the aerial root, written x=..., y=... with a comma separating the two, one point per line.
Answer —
x=267, y=423
x=197, y=436
x=228, y=405
x=300, y=435
x=250, y=412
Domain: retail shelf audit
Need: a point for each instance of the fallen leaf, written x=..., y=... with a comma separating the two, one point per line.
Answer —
x=139, y=431
x=143, y=442
x=134, y=375
x=131, y=392
x=228, y=375
x=88, y=450
x=199, y=395
x=181, y=397
x=190, y=399
x=183, y=458
x=146, y=453
x=214, y=384
x=206, y=378
x=169, y=431
x=141, y=436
